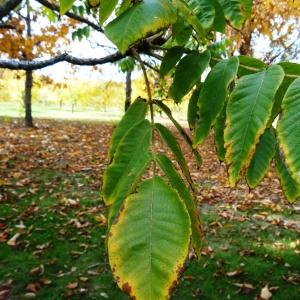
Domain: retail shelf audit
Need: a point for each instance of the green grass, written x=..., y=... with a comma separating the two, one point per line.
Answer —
x=52, y=111
x=51, y=241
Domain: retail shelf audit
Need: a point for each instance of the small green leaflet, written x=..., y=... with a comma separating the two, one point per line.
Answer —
x=65, y=5
x=248, y=112
x=260, y=163
x=289, y=129
x=290, y=187
x=188, y=73
x=136, y=113
x=128, y=164
x=106, y=9
x=170, y=60
x=212, y=96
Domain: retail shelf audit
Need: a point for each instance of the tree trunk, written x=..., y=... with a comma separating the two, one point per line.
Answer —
x=128, y=90
x=27, y=99
x=246, y=48
x=29, y=78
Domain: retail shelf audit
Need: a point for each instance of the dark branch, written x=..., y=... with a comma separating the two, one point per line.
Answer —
x=36, y=65
x=71, y=15
x=6, y=26
x=8, y=6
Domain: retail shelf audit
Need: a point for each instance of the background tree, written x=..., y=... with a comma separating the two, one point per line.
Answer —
x=276, y=24
x=24, y=40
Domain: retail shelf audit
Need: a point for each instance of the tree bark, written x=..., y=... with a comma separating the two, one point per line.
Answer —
x=246, y=47
x=27, y=99
x=28, y=80
x=128, y=91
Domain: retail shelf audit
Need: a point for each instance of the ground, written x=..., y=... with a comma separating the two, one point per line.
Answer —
x=52, y=222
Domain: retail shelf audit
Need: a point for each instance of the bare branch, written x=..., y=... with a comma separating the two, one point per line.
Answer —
x=6, y=26
x=36, y=65
x=8, y=6
x=71, y=15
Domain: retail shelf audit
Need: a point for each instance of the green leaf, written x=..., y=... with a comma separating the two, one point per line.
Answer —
x=126, y=4
x=178, y=184
x=128, y=164
x=149, y=243
x=249, y=65
x=181, y=32
x=106, y=9
x=219, y=21
x=219, y=133
x=292, y=71
x=143, y=18
x=170, y=60
x=188, y=73
x=193, y=110
x=182, y=132
x=260, y=163
x=290, y=187
x=289, y=129
x=136, y=113
x=247, y=4
x=212, y=96
x=234, y=12
x=172, y=143
x=249, y=109
x=65, y=5
x=190, y=17
x=204, y=10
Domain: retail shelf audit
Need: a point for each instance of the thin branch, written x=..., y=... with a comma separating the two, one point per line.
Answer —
x=36, y=65
x=7, y=26
x=8, y=6
x=71, y=15
x=151, y=67
x=147, y=82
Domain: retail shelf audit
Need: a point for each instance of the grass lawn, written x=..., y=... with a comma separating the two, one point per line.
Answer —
x=49, y=194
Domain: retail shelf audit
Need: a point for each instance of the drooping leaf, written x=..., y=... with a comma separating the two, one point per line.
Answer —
x=187, y=74
x=128, y=164
x=292, y=71
x=178, y=184
x=149, y=242
x=135, y=114
x=65, y=5
x=290, y=187
x=249, y=109
x=289, y=129
x=219, y=133
x=170, y=60
x=106, y=9
x=260, y=163
x=143, y=18
x=172, y=143
x=212, y=96
x=249, y=65
x=181, y=130
x=193, y=110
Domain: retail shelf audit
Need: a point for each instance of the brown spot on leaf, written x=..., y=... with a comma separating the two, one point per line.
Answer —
x=127, y=288
x=172, y=287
